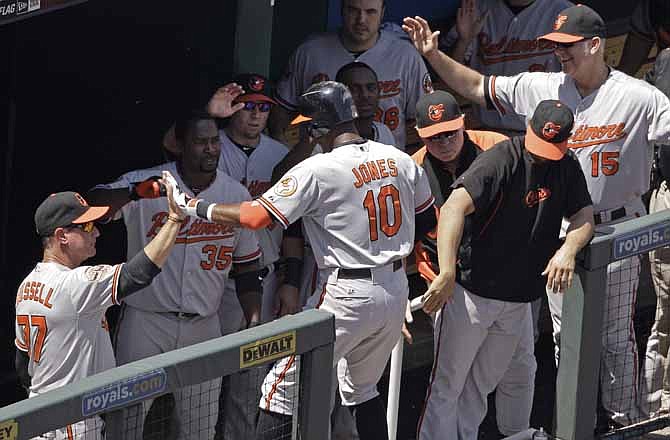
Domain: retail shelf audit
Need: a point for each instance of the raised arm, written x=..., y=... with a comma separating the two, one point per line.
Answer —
x=463, y=80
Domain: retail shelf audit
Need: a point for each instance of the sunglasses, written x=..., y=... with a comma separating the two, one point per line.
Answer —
x=86, y=227
x=445, y=135
x=263, y=107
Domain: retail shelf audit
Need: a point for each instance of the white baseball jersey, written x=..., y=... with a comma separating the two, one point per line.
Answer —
x=508, y=45
x=615, y=127
x=357, y=203
x=193, y=277
x=61, y=325
x=401, y=82
x=255, y=172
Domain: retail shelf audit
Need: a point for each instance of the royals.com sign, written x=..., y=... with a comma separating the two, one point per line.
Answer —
x=641, y=241
x=122, y=393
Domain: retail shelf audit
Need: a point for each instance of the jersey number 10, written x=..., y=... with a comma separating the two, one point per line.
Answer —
x=386, y=192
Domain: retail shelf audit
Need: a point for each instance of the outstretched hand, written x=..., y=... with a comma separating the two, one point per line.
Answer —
x=220, y=105
x=421, y=35
x=560, y=270
x=171, y=188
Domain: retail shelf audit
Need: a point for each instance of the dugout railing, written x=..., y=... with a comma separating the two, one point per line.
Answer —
x=309, y=334
x=578, y=376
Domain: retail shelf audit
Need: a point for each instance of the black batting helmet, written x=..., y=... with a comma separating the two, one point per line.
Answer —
x=327, y=103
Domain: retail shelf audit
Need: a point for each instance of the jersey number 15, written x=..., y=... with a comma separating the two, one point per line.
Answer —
x=386, y=193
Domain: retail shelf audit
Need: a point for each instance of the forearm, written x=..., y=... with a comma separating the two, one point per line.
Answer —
x=21, y=364
x=159, y=248
x=301, y=151
x=580, y=231
x=449, y=233
x=114, y=198
x=461, y=79
x=635, y=53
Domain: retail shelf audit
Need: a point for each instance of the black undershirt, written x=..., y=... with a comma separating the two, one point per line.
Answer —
x=246, y=149
x=516, y=9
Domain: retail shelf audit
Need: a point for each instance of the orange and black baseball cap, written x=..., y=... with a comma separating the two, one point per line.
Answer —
x=64, y=209
x=256, y=87
x=438, y=112
x=549, y=129
x=576, y=23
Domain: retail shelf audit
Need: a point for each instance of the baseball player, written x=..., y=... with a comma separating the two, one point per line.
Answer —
x=499, y=37
x=655, y=377
x=616, y=119
x=401, y=82
x=180, y=308
x=505, y=212
x=358, y=202
x=62, y=304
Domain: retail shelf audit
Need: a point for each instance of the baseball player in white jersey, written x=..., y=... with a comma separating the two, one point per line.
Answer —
x=180, y=309
x=401, y=82
x=503, y=41
x=616, y=120
x=359, y=233
x=62, y=304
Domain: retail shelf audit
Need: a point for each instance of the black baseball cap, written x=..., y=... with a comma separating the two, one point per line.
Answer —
x=576, y=23
x=64, y=209
x=438, y=112
x=256, y=88
x=549, y=129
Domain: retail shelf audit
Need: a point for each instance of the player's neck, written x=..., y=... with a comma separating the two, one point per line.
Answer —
x=592, y=80
x=357, y=46
x=56, y=256
x=197, y=182
x=240, y=139
x=365, y=128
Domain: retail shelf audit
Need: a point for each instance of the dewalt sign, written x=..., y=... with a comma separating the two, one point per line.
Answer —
x=267, y=349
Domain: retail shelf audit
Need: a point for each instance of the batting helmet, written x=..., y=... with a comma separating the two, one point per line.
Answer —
x=327, y=103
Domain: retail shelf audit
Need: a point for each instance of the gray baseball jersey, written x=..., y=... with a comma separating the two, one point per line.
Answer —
x=61, y=325
x=255, y=172
x=366, y=222
x=614, y=127
x=194, y=275
x=508, y=45
x=401, y=82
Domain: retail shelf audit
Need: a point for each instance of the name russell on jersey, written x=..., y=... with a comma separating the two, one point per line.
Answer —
x=374, y=170
x=34, y=291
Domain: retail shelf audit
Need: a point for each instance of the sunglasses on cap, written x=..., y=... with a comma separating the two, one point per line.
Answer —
x=86, y=227
x=445, y=135
x=263, y=107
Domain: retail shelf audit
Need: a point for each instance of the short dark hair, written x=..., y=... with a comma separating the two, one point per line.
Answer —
x=187, y=119
x=351, y=66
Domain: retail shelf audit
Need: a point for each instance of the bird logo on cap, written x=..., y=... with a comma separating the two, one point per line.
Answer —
x=80, y=199
x=256, y=83
x=550, y=130
x=435, y=112
x=560, y=21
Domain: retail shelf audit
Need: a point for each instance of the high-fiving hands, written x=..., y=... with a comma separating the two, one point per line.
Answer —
x=422, y=37
x=221, y=103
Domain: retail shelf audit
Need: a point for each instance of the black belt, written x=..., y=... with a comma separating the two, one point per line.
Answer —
x=183, y=315
x=363, y=273
x=615, y=214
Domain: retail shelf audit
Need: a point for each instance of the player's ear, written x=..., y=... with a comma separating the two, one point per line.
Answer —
x=595, y=45
x=59, y=236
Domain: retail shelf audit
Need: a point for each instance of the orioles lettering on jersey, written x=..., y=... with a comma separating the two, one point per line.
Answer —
x=369, y=171
x=388, y=89
x=34, y=291
x=586, y=135
x=198, y=227
x=536, y=196
x=503, y=50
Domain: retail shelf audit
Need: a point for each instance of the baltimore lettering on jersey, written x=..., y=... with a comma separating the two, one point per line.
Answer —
x=587, y=136
x=267, y=349
x=644, y=240
x=192, y=230
x=503, y=50
x=375, y=170
x=121, y=393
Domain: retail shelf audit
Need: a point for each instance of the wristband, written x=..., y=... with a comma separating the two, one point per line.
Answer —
x=202, y=209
